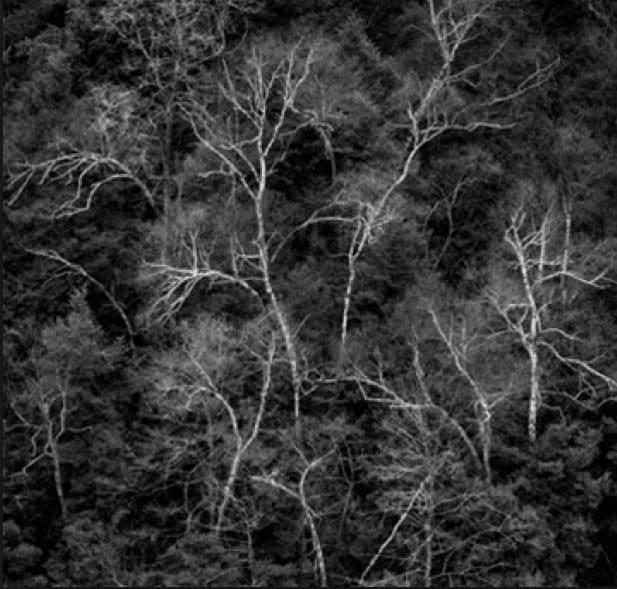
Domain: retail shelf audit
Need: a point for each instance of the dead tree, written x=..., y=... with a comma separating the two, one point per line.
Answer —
x=540, y=266
x=435, y=112
x=248, y=138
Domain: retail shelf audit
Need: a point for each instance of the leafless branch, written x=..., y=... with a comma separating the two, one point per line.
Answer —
x=527, y=312
x=56, y=257
x=80, y=168
x=299, y=493
x=401, y=520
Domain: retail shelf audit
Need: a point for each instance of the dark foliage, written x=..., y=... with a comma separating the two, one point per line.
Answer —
x=240, y=348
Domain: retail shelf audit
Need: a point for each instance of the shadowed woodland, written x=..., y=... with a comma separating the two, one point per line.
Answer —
x=310, y=292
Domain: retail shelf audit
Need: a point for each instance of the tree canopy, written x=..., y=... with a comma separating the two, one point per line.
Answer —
x=310, y=293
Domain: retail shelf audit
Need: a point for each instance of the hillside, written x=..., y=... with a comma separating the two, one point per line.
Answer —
x=310, y=292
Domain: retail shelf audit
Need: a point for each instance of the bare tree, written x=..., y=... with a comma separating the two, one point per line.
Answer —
x=417, y=466
x=583, y=164
x=415, y=499
x=243, y=442
x=191, y=389
x=113, y=147
x=434, y=111
x=175, y=283
x=376, y=389
x=541, y=265
x=49, y=426
x=248, y=138
x=173, y=42
x=459, y=343
x=298, y=492
x=46, y=405
x=169, y=44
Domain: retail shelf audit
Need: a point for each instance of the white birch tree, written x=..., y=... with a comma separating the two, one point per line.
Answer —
x=433, y=109
x=261, y=110
x=541, y=262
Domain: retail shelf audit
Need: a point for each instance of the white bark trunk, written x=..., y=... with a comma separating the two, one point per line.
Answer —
x=534, y=393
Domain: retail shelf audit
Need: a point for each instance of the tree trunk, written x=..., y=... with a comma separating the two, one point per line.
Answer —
x=283, y=323
x=484, y=427
x=428, y=536
x=567, y=209
x=534, y=394
x=167, y=183
x=55, y=455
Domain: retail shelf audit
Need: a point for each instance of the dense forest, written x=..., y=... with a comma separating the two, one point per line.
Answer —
x=310, y=292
